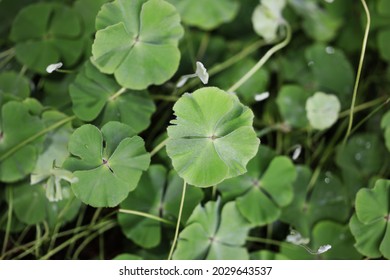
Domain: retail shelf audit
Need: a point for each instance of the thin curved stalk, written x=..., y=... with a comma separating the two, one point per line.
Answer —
x=359, y=71
x=178, y=221
x=159, y=147
x=145, y=215
x=117, y=94
x=263, y=60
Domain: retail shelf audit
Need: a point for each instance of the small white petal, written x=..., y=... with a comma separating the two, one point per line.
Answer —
x=53, y=67
x=296, y=238
x=297, y=152
x=261, y=96
x=324, y=248
x=201, y=72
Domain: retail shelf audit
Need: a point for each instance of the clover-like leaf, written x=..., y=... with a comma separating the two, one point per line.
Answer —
x=108, y=163
x=46, y=33
x=385, y=124
x=213, y=234
x=267, y=17
x=371, y=223
x=328, y=200
x=13, y=86
x=332, y=72
x=18, y=157
x=206, y=14
x=136, y=44
x=94, y=93
x=322, y=110
x=263, y=190
x=212, y=138
x=291, y=101
x=158, y=194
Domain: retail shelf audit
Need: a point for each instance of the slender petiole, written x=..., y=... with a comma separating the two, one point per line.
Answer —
x=359, y=71
x=178, y=221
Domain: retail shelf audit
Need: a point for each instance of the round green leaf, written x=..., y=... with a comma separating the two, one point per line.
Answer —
x=46, y=33
x=94, y=93
x=385, y=124
x=106, y=171
x=321, y=25
x=13, y=134
x=212, y=138
x=29, y=203
x=159, y=195
x=371, y=223
x=13, y=86
x=210, y=234
x=136, y=44
x=322, y=110
x=332, y=71
x=206, y=14
x=291, y=101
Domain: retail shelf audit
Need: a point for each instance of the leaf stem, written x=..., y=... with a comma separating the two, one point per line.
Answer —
x=178, y=221
x=267, y=241
x=362, y=54
x=168, y=98
x=373, y=112
x=64, y=71
x=8, y=52
x=88, y=240
x=117, y=94
x=263, y=60
x=35, y=136
x=9, y=220
x=38, y=240
x=104, y=226
x=6, y=60
x=146, y=215
x=364, y=106
x=159, y=147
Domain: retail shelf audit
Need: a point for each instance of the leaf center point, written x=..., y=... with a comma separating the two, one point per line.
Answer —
x=105, y=162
